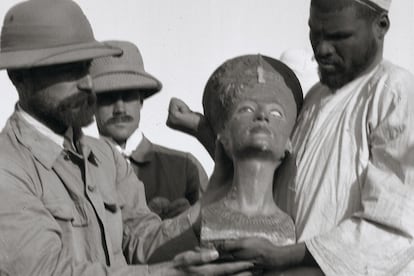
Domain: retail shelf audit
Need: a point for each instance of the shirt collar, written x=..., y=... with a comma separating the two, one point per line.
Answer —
x=144, y=152
x=131, y=144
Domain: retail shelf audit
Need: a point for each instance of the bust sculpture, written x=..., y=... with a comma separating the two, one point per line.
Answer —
x=251, y=103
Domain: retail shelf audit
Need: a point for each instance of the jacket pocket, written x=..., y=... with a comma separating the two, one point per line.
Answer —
x=68, y=211
x=60, y=210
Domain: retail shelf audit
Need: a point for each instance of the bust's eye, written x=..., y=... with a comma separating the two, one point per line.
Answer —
x=245, y=109
x=276, y=113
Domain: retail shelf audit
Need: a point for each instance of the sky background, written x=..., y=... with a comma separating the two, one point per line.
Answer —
x=184, y=41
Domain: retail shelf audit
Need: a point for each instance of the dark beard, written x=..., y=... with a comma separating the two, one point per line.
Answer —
x=342, y=76
x=75, y=111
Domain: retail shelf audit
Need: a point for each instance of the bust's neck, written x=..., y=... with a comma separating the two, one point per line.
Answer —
x=252, y=187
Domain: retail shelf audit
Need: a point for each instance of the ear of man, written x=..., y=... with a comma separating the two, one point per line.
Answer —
x=21, y=79
x=381, y=25
x=16, y=76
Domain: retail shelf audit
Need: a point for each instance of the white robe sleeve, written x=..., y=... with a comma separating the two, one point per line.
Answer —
x=379, y=239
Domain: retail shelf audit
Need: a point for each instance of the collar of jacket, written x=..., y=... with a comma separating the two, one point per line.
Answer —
x=144, y=152
x=43, y=149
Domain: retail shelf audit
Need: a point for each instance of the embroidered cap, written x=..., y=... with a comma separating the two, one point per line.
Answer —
x=383, y=4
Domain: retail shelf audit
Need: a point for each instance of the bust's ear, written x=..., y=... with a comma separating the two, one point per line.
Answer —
x=288, y=146
x=225, y=141
x=222, y=139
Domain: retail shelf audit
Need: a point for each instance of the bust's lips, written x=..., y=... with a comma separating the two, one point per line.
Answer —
x=260, y=129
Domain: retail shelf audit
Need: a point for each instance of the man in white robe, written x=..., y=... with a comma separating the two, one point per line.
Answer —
x=350, y=178
x=349, y=182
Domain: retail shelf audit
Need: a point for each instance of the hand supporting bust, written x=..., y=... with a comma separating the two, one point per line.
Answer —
x=199, y=263
x=292, y=259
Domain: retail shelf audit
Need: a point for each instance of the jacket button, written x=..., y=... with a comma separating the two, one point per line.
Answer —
x=91, y=188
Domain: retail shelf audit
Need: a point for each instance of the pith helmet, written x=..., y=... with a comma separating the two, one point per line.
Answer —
x=47, y=32
x=123, y=72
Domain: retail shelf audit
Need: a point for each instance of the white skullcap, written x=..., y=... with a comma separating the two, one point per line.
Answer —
x=383, y=4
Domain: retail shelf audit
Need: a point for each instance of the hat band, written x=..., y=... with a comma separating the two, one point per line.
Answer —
x=18, y=38
x=370, y=5
x=117, y=68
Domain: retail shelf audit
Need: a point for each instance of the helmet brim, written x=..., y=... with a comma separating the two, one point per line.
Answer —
x=118, y=81
x=57, y=55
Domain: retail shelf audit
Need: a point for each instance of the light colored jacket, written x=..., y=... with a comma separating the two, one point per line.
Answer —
x=62, y=213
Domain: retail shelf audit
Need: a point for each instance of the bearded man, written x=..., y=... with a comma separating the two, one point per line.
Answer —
x=71, y=204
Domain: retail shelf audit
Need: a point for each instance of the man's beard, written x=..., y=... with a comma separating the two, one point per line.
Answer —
x=74, y=111
x=342, y=75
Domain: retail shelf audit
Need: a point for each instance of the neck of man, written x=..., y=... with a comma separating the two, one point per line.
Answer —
x=375, y=61
x=122, y=143
x=252, y=187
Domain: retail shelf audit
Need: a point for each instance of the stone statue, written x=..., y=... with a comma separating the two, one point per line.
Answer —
x=251, y=103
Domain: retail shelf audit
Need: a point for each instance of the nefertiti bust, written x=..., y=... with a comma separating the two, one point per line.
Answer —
x=251, y=102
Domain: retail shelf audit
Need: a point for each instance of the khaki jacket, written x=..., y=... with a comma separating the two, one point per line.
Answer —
x=64, y=213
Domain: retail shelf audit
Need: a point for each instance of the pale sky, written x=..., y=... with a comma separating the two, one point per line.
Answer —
x=183, y=41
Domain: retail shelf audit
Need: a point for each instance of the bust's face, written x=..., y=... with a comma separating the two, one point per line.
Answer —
x=260, y=123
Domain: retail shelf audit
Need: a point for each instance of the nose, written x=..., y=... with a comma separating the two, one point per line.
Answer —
x=119, y=106
x=324, y=49
x=261, y=115
x=85, y=83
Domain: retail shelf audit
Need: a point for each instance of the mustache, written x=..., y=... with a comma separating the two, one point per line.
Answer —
x=119, y=119
x=325, y=61
x=329, y=61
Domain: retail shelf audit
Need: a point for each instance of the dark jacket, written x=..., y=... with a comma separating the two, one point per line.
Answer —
x=168, y=173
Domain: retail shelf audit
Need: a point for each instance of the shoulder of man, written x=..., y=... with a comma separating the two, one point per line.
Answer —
x=393, y=86
x=394, y=76
x=175, y=154
x=180, y=158
x=17, y=163
x=12, y=152
x=392, y=89
x=168, y=152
